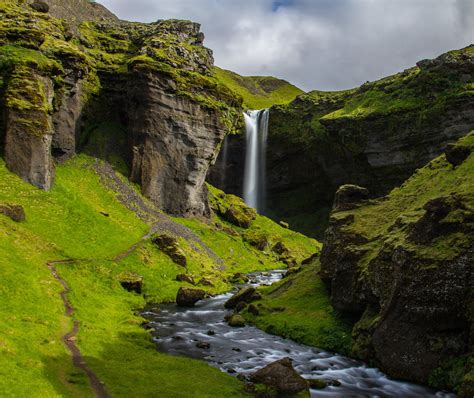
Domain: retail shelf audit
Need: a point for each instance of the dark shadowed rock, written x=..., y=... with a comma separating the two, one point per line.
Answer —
x=187, y=297
x=457, y=153
x=310, y=259
x=431, y=225
x=252, y=309
x=40, y=6
x=282, y=376
x=132, y=282
x=15, y=212
x=349, y=196
x=204, y=345
x=244, y=295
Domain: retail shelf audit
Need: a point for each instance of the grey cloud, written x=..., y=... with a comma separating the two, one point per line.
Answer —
x=318, y=44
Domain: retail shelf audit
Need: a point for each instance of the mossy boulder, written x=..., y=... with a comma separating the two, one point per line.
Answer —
x=241, y=216
x=236, y=321
x=131, y=282
x=170, y=246
x=244, y=295
x=282, y=376
x=187, y=297
x=14, y=212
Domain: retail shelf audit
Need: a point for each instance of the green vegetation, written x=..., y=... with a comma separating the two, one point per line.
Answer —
x=81, y=219
x=258, y=92
x=404, y=206
x=298, y=308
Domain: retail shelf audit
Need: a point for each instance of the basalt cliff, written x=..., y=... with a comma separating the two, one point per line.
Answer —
x=146, y=92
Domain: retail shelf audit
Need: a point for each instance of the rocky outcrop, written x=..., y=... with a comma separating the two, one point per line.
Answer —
x=141, y=96
x=403, y=265
x=74, y=11
x=174, y=142
x=29, y=127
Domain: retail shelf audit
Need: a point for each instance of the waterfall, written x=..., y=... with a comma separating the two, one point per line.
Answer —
x=256, y=127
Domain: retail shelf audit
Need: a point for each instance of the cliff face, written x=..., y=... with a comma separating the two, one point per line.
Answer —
x=404, y=265
x=374, y=136
x=66, y=82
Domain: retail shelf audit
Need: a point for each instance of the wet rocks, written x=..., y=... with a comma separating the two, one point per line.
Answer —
x=253, y=309
x=14, y=212
x=244, y=295
x=204, y=345
x=131, y=282
x=281, y=376
x=170, y=246
x=187, y=297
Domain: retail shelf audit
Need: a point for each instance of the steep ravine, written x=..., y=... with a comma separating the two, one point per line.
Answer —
x=374, y=136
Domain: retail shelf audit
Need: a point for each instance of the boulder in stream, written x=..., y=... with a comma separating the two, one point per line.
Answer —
x=281, y=376
x=236, y=321
x=187, y=297
x=244, y=295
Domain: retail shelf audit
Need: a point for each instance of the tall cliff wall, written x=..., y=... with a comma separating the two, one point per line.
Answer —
x=403, y=266
x=141, y=95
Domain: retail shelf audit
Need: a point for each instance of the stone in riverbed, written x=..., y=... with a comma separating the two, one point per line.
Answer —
x=281, y=376
x=187, y=297
x=204, y=345
x=245, y=295
x=236, y=321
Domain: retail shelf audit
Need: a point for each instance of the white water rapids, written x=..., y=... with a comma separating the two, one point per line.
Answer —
x=245, y=350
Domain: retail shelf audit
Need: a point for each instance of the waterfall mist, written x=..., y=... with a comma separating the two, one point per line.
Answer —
x=256, y=128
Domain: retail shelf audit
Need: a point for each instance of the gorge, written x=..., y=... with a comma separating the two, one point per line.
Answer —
x=124, y=155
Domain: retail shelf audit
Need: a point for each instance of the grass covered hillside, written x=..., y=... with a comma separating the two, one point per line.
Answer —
x=94, y=216
x=258, y=92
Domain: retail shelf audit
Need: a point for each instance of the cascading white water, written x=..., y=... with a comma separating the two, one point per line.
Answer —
x=256, y=127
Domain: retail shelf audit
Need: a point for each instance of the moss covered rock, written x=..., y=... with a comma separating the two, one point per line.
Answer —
x=401, y=264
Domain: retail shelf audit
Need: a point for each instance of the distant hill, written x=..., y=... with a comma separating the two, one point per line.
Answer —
x=259, y=92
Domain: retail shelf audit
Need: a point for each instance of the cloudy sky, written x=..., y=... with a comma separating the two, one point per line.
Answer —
x=317, y=44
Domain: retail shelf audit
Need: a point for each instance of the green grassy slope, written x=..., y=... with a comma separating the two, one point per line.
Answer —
x=69, y=222
x=298, y=308
x=258, y=92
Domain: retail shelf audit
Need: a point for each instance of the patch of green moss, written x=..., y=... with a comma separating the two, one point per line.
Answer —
x=449, y=375
x=298, y=308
